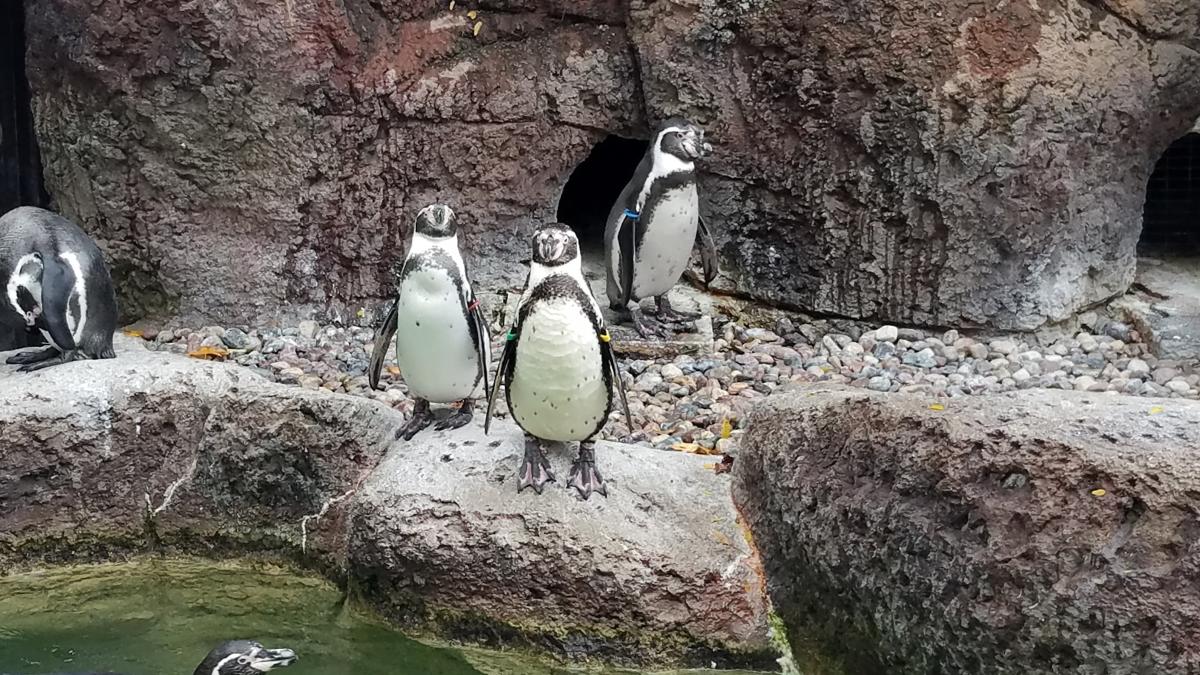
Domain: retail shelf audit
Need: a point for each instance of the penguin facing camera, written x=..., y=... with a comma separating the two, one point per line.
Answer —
x=655, y=215
x=55, y=283
x=441, y=338
x=558, y=368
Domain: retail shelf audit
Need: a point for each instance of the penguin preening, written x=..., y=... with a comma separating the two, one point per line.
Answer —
x=55, y=282
x=558, y=368
x=236, y=657
x=442, y=343
x=653, y=224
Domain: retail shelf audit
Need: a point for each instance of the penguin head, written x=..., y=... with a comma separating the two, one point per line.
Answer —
x=243, y=657
x=555, y=244
x=682, y=139
x=437, y=221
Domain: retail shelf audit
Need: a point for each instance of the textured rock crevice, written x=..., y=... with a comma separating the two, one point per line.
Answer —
x=1041, y=532
x=150, y=452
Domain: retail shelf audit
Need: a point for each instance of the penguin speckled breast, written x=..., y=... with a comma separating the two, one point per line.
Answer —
x=653, y=224
x=55, y=282
x=558, y=368
x=442, y=343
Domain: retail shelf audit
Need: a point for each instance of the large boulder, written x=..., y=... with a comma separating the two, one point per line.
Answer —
x=152, y=452
x=660, y=570
x=1039, y=532
x=953, y=163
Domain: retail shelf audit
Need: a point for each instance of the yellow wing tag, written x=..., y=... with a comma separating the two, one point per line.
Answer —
x=605, y=337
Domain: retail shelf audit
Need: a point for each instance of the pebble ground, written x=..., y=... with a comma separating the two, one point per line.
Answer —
x=687, y=399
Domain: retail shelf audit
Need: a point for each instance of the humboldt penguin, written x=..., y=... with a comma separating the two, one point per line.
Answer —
x=236, y=657
x=57, y=284
x=653, y=225
x=442, y=343
x=558, y=368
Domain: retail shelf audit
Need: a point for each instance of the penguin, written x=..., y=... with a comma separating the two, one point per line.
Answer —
x=57, y=284
x=442, y=343
x=236, y=657
x=653, y=224
x=558, y=368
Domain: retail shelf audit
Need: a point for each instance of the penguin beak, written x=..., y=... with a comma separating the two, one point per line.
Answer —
x=267, y=659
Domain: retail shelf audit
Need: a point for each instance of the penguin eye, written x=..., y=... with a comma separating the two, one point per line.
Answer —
x=242, y=660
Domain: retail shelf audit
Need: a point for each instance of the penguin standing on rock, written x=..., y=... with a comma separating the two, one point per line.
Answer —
x=442, y=343
x=55, y=282
x=651, y=228
x=558, y=368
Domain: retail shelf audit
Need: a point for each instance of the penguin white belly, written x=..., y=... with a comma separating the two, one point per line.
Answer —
x=666, y=246
x=557, y=391
x=434, y=351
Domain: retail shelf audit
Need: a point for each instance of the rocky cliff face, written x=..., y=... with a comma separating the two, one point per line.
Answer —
x=962, y=163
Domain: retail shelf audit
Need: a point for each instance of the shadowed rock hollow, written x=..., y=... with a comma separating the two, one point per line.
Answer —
x=955, y=163
x=1040, y=532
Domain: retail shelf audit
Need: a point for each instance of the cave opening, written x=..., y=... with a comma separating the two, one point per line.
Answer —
x=594, y=186
x=1171, y=216
x=20, y=163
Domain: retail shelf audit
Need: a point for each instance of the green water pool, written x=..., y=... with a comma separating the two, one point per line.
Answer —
x=160, y=617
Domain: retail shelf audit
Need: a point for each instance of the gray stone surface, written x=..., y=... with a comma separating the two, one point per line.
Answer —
x=888, y=160
x=157, y=452
x=1033, y=532
x=1165, y=306
x=660, y=568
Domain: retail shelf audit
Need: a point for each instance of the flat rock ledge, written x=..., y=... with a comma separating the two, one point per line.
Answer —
x=1036, y=532
x=155, y=453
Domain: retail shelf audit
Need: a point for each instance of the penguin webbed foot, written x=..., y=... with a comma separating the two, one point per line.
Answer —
x=421, y=418
x=461, y=418
x=647, y=329
x=585, y=478
x=56, y=360
x=535, y=468
x=25, y=358
x=669, y=314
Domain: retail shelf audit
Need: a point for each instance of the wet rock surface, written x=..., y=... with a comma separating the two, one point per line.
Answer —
x=1034, y=532
x=153, y=452
x=660, y=568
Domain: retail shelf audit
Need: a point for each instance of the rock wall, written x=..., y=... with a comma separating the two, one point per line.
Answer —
x=1039, y=532
x=962, y=163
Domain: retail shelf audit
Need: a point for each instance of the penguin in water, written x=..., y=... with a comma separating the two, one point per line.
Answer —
x=558, y=368
x=55, y=282
x=236, y=657
x=442, y=342
x=648, y=240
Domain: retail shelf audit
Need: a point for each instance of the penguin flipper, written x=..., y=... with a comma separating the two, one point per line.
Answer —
x=383, y=339
x=610, y=361
x=627, y=237
x=475, y=312
x=58, y=282
x=708, y=253
x=510, y=348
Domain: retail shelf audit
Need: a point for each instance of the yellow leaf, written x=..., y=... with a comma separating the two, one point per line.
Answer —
x=937, y=406
x=134, y=333
x=209, y=353
x=1154, y=410
x=726, y=428
x=1099, y=492
x=685, y=447
x=478, y=27
x=393, y=370
x=711, y=466
x=472, y=14
x=361, y=312
x=721, y=538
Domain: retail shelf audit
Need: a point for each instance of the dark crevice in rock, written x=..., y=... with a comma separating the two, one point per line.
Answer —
x=20, y=161
x=1171, y=216
x=594, y=186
